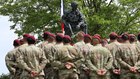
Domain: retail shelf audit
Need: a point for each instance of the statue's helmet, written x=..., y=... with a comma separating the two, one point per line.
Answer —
x=74, y=4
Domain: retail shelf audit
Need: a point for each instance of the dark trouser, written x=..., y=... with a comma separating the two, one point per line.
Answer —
x=127, y=74
x=84, y=75
x=49, y=73
x=114, y=76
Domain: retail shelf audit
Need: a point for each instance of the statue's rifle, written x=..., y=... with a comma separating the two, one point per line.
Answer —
x=71, y=29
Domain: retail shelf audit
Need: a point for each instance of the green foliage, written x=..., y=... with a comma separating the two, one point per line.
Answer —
x=4, y=76
x=102, y=16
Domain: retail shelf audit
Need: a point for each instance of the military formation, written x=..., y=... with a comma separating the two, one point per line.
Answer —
x=91, y=57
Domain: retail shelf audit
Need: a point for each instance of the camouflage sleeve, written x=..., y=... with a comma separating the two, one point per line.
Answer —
x=119, y=59
x=49, y=55
x=10, y=63
x=89, y=63
x=43, y=60
x=56, y=63
x=138, y=61
x=20, y=61
x=110, y=61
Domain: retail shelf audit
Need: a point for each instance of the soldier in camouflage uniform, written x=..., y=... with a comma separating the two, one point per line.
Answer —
x=21, y=47
x=138, y=49
x=48, y=70
x=32, y=60
x=73, y=62
x=84, y=74
x=54, y=50
x=113, y=47
x=10, y=60
x=127, y=57
x=99, y=61
x=79, y=47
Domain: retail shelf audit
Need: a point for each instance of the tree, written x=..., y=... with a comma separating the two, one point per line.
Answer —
x=102, y=16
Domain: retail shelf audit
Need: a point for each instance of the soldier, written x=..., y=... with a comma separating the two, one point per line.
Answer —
x=10, y=60
x=61, y=58
x=99, y=60
x=127, y=57
x=45, y=37
x=74, y=60
x=21, y=48
x=113, y=47
x=32, y=60
x=54, y=50
x=48, y=70
x=79, y=47
x=84, y=74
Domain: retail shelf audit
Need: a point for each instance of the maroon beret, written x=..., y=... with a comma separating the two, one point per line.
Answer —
x=113, y=34
x=67, y=37
x=52, y=35
x=87, y=36
x=46, y=33
x=125, y=36
x=132, y=35
x=26, y=35
x=59, y=34
x=96, y=37
x=17, y=41
x=32, y=37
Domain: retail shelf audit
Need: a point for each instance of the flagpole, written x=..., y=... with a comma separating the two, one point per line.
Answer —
x=61, y=14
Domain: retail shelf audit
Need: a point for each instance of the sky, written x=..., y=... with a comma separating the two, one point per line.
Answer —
x=6, y=40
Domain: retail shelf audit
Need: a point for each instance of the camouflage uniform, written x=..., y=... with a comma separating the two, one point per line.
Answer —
x=113, y=47
x=18, y=69
x=48, y=70
x=127, y=56
x=138, y=50
x=85, y=74
x=30, y=59
x=79, y=46
x=99, y=58
x=61, y=57
x=54, y=49
x=11, y=64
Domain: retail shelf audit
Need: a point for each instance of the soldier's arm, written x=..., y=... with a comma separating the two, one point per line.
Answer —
x=79, y=58
x=137, y=64
x=20, y=61
x=89, y=63
x=43, y=60
x=110, y=61
x=10, y=63
x=56, y=63
x=49, y=54
x=119, y=59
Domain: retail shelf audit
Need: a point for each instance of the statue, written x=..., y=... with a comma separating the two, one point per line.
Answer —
x=73, y=21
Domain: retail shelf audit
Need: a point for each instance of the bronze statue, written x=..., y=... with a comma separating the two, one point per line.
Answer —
x=73, y=20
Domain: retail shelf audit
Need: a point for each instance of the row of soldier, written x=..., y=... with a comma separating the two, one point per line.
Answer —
x=89, y=58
